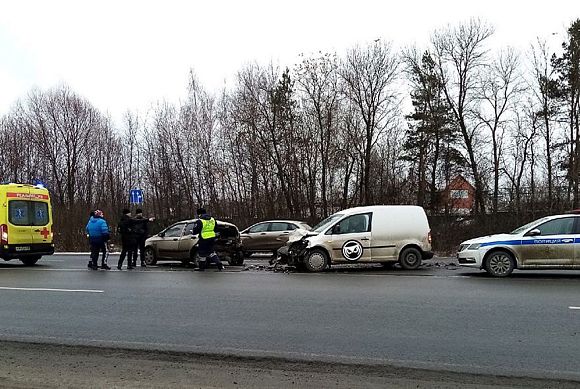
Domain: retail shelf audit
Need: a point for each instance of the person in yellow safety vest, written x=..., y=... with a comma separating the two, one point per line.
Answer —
x=206, y=254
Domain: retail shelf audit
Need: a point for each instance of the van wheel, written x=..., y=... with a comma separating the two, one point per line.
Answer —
x=316, y=261
x=500, y=264
x=150, y=258
x=410, y=258
x=29, y=261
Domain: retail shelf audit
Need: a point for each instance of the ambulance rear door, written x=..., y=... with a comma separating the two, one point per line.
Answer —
x=19, y=228
x=40, y=216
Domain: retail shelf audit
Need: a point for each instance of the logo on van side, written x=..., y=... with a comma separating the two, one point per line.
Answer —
x=352, y=250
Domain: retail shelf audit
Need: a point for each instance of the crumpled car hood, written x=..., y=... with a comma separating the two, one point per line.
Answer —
x=298, y=234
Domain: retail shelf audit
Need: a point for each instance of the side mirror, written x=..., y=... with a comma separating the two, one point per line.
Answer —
x=534, y=232
x=336, y=229
x=161, y=234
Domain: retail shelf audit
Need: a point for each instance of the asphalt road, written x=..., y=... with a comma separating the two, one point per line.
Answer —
x=435, y=318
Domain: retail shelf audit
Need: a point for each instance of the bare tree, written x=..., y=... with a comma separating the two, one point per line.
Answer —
x=460, y=54
x=370, y=74
x=318, y=81
x=499, y=88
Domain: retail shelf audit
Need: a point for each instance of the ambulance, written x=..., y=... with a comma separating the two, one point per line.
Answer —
x=25, y=223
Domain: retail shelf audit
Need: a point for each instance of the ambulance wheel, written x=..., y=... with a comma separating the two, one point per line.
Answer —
x=500, y=263
x=316, y=261
x=29, y=261
x=410, y=258
x=150, y=258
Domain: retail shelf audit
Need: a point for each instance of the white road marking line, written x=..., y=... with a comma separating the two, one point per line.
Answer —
x=574, y=308
x=52, y=290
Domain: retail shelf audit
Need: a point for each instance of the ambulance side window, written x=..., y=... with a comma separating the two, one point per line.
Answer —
x=18, y=213
x=39, y=215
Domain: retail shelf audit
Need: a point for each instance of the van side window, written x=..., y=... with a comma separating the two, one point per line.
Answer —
x=355, y=224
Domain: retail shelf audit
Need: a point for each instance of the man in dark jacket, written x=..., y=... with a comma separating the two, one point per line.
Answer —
x=98, y=232
x=205, y=227
x=141, y=229
x=128, y=240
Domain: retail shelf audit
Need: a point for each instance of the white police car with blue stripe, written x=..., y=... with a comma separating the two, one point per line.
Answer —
x=552, y=242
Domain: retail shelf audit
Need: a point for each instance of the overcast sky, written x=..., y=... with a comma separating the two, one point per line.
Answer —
x=129, y=54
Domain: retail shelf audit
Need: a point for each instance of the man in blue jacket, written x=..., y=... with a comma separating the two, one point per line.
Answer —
x=98, y=232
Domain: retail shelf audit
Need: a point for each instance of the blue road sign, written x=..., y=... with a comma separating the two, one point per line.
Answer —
x=136, y=196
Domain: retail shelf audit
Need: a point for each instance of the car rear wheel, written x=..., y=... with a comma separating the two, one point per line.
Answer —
x=236, y=259
x=150, y=258
x=316, y=261
x=410, y=258
x=500, y=264
x=29, y=261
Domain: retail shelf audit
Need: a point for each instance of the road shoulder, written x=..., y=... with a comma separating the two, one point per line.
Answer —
x=34, y=365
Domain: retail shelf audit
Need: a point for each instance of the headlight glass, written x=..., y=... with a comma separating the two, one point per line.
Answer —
x=474, y=246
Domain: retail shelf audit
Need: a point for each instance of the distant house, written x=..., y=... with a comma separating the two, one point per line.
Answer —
x=459, y=196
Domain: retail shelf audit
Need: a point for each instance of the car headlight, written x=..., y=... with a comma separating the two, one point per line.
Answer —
x=474, y=246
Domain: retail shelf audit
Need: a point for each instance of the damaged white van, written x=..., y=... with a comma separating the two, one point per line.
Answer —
x=382, y=233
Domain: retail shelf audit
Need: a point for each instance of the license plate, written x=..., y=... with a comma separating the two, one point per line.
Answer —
x=22, y=248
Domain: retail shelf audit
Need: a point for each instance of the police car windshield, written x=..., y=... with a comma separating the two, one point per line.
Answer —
x=524, y=228
x=327, y=222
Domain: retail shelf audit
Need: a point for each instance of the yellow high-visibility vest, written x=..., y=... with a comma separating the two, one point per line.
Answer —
x=207, y=228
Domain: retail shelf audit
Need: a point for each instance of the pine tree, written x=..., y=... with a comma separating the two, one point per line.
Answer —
x=568, y=69
x=432, y=134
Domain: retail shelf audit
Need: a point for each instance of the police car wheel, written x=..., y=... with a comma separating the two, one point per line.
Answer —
x=150, y=257
x=316, y=261
x=410, y=258
x=500, y=264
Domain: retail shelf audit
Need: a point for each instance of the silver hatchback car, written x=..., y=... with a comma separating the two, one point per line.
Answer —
x=177, y=243
x=270, y=235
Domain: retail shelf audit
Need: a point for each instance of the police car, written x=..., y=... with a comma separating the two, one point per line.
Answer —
x=552, y=242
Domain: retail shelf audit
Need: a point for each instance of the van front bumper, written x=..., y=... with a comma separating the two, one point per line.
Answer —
x=12, y=251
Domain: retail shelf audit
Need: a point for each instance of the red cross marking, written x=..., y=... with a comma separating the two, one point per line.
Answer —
x=45, y=232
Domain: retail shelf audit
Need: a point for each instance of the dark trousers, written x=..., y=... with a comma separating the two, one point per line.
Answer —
x=130, y=251
x=204, y=261
x=141, y=247
x=96, y=249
